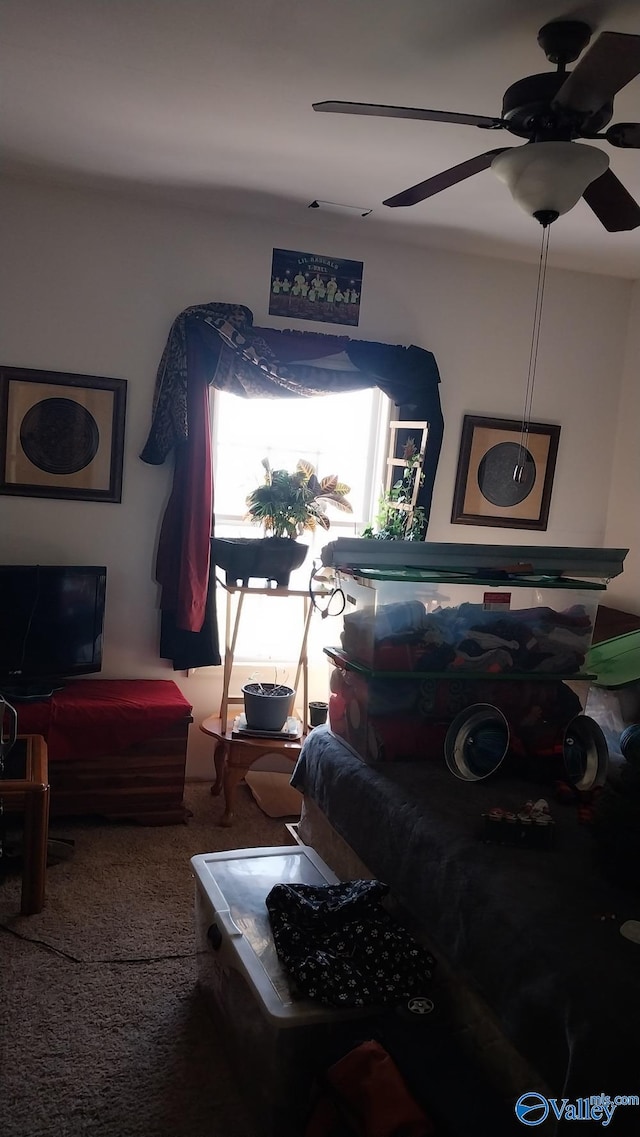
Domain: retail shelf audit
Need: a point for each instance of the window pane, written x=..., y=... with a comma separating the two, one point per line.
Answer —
x=335, y=433
x=343, y=434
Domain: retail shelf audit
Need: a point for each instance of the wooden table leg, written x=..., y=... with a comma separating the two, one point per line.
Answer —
x=220, y=754
x=36, y=831
x=234, y=757
x=232, y=777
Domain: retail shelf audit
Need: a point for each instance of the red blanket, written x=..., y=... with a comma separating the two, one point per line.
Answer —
x=93, y=717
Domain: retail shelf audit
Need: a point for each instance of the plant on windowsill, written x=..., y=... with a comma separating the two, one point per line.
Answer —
x=286, y=505
x=398, y=518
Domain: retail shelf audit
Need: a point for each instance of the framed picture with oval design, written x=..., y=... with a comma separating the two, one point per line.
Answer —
x=504, y=475
x=61, y=435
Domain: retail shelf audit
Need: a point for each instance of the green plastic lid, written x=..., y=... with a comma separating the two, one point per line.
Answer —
x=616, y=662
x=485, y=578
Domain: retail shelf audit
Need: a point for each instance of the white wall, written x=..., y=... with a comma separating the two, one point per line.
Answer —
x=92, y=284
x=623, y=518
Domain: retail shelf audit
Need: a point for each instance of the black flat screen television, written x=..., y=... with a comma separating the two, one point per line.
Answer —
x=51, y=626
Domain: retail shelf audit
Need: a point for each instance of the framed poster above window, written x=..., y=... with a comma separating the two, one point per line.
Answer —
x=504, y=476
x=313, y=287
x=61, y=435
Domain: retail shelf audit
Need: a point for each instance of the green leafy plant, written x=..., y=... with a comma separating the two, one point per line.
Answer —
x=396, y=519
x=288, y=503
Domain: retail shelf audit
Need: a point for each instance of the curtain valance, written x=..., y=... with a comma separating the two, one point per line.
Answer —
x=217, y=345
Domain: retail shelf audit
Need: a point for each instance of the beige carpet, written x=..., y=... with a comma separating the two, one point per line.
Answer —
x=99, y=1037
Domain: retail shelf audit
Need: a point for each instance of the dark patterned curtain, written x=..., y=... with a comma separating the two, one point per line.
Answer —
x=217, y=345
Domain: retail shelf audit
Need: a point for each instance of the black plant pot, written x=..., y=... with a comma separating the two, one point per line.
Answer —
x=267, y=706
x=267, y=558
x=317, y=713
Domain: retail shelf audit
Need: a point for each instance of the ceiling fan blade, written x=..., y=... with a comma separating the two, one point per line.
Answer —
x=624, y=134
x=609, y=64
x=336, y=107
x=445, y=179
x=612, y=204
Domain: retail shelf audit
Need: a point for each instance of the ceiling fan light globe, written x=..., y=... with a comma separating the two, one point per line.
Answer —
x=548, y=177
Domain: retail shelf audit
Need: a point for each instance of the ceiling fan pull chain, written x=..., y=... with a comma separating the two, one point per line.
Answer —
x=519, y=468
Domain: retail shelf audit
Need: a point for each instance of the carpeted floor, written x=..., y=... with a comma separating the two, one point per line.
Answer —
x=102, y=1033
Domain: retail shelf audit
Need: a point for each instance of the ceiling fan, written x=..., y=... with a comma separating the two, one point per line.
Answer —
x=553, y=107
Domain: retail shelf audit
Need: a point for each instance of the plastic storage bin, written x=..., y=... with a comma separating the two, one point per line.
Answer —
x=277, y=1042
x=405, y=716
x=410, y=620
x=614, y=699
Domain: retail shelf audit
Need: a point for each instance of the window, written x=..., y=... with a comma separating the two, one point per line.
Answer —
x=339, y=434
x=344, y=434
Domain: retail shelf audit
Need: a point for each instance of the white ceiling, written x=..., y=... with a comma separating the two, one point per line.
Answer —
x=209, y=102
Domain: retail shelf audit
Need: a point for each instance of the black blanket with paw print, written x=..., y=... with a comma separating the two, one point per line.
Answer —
x=343, y=948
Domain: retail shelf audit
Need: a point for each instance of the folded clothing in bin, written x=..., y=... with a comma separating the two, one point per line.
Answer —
x=403, y=636
x=343, y=948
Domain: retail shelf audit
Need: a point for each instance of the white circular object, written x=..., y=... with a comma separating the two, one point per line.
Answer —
x=420, y=1005
x=549, y=175
x=631, y=931
x=476, y=742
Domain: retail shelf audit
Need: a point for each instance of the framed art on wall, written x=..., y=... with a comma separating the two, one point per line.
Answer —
x=504, y=476
x=61, y=435
x=312, y=287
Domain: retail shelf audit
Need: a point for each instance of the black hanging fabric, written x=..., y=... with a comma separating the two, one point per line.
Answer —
x=217, y=345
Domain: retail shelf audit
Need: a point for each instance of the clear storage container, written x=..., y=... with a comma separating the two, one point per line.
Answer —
x=404, y=716
x=277, y=1041
x=411, y=620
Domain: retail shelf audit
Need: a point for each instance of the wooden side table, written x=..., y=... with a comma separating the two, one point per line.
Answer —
x=233, y=757
x=25, y=788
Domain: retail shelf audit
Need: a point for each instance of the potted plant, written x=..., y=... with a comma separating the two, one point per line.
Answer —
x=267, y=706
x=286, y=505
x=398, y=519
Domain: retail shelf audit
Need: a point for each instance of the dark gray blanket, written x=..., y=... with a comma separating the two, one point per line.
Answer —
x=523, y=924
